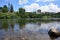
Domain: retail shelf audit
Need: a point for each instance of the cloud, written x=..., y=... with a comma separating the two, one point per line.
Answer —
x=23, y=1
x=46, y=8
x=32, y=7
x=50, y=8
x=45, y=0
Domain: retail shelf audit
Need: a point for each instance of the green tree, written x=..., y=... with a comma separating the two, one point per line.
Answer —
x=5, y=9
x=11, y=8
x=0, y=9
x=21, y=10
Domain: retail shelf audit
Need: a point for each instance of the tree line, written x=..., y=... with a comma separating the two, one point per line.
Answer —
x=6, y=9
x=7, y=12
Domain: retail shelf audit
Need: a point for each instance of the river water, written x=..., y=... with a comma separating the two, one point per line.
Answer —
x=14, y=29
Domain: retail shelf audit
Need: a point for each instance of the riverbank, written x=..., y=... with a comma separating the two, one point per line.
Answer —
x=17, y=15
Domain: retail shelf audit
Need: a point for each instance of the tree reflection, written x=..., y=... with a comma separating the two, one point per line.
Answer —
x=7, y=24
x=22, y=23
x=11, y=24
x=4, y=24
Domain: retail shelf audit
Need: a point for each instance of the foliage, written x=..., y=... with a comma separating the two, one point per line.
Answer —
x=8, y=15
x=5, y=9
x=4, y=14
x=27, y=15
x=0, y=9
x=21, y=10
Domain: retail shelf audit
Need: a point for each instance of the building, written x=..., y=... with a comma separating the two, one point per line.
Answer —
x=38, y=11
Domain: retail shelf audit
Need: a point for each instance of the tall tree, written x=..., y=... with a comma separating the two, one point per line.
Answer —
x=5, y=9
x=11, y=8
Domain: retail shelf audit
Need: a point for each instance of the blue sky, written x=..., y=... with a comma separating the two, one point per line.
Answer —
x=33, y=5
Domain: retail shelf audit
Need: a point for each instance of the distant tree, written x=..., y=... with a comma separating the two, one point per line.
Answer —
x=21, y=10
x=0, y=9
x=11, y=8
x=5, y=9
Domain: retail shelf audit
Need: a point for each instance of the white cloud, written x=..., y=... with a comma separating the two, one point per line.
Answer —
x=31, y=7
x=45, y=0
x=50, y=8
x=23, y=1
x=46, y=8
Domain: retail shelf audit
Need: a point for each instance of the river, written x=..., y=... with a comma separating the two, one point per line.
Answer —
x=17, y=29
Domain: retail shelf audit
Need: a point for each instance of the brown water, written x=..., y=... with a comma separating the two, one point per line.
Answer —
x=26, y=29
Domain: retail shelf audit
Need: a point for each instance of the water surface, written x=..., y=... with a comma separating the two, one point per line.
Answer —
x=17, y=29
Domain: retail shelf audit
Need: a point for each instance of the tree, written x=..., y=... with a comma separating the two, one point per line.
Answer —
x=21, y=10
x=11, y=8
x=0, y=9
x=5, y=9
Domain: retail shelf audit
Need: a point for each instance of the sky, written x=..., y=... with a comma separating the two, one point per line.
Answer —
x=33, y=5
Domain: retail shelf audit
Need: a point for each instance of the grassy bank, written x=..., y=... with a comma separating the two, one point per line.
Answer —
x=16, y=15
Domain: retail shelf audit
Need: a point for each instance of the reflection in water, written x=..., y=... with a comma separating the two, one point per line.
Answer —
x=23, y=29
x=21, y=23
x=5, y=25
